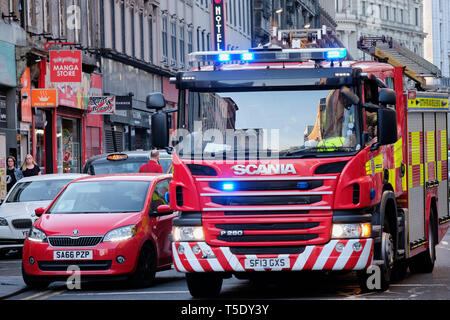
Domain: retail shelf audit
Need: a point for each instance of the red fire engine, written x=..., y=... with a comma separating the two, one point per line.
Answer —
x=295, y=159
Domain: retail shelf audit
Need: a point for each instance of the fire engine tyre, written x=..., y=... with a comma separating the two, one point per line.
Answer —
x=204, y=285
x=424, y=261
x=146, y=268
x=33, y=281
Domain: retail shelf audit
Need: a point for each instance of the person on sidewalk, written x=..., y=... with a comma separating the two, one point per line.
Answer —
x=13, y=174
x=30, y=167
x=152, y=166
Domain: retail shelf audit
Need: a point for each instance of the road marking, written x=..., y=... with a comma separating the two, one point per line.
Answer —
x=36, y=295
x=51, y=295
x=122, y=293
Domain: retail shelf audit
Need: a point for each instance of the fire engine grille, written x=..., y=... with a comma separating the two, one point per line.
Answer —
x=268, y=250
x=265, y=200
x=268, y=212
x=83, y=265
x=279, y=232
x=22, y=223
x=74, y=242
x=284, y=185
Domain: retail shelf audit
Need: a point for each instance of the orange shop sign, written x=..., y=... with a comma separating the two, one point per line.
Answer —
x=44, y=98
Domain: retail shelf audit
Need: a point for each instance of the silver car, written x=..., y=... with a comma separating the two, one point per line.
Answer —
x=17, y=211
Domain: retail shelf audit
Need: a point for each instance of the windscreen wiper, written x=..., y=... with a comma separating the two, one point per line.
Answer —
x=317, y=151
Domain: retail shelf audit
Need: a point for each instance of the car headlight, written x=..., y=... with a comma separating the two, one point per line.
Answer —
x=36, y=235
x=121, y=234
x=351, y=230
x=188, y=233
x=3, y=222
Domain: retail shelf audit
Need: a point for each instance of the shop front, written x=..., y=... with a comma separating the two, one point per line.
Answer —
x=65, y=136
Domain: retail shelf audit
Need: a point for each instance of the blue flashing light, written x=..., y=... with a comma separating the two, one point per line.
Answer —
x=248, y=56
x=224, y=57
x=303, y=185
x=166, y=197
x=336, y=54
x=372, y=194
x=227, y=186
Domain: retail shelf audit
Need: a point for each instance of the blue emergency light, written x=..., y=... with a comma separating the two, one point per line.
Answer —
x=270, y=55
x=227, y=186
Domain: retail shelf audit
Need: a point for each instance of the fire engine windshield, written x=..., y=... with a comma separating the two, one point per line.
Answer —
x=265, y=124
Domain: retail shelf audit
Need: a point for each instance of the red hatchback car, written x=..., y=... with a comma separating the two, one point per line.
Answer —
x=111, y=225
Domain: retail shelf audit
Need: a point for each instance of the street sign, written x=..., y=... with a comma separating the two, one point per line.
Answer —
x=102, y=105
x=124, y=103
x=65, y=66
x=44, y=98
x=219, y=24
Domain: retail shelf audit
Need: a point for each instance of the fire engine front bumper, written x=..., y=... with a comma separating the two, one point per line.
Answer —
x=350, y=254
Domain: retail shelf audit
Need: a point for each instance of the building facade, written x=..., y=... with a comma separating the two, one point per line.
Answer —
x=402, y=20
x=436, y=19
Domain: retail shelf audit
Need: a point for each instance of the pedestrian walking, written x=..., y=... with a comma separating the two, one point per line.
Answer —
x=30, y=167
x=152, y=166
x=13, y=174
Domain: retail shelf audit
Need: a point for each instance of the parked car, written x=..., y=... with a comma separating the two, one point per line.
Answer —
x=124, y=162
x=17, y=211
x=113, y=226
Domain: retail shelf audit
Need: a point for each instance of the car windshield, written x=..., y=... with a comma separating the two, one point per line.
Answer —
x=36, y=190
x=125, y=166
x=269, y=124
x=102, y=197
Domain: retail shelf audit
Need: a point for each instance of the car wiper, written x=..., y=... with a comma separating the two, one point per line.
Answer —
x=317, y=151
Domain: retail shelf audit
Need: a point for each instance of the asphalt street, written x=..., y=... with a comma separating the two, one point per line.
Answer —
x=171, y=285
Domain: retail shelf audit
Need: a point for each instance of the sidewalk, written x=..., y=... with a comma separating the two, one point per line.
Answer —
x=11, y=285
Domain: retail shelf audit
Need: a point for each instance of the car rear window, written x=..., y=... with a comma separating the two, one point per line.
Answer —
x=102, y=197
x=124, y=166
x=36, y=190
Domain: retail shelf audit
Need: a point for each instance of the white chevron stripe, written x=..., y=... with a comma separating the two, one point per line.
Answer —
x=177, y=260
x=232, y=260
x=345, y=255
x=192, y=259
x=302, y=258
x=365, y=256
x=324, y=255
x=213, y=262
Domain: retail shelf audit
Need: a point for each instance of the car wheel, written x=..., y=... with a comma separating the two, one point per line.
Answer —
x=146, y=268
x=204, y=285
x=34, y=282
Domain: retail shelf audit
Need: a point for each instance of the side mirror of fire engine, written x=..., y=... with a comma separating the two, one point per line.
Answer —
x=387, y=97
x=387, y=126
x=155, y=101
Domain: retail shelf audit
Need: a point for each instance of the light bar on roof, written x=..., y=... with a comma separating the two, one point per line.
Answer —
x=278, y=55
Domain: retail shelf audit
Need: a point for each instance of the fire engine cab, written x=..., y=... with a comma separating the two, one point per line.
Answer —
x=296, y=159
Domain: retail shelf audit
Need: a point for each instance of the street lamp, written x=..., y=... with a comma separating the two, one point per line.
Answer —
x=274, y=24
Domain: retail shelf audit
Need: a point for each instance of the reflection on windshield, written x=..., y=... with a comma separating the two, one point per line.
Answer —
x=36, y=190
x=102, y=197
x=125, y=166
x=268, y=123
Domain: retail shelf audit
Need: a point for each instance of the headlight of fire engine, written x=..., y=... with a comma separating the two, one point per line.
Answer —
x=351, y=230
x=188, y=234
x=36, y=235
x=121, y=234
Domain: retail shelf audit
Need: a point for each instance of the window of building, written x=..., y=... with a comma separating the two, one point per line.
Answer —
x=387, y=12
x=164, y=37
x=189, y=43
x=173, y=40
x=401, y=15
x=198, y=39
x=363, y=8
x=133, y=33
x=394, y=16
x=203, y=40
x=150, y=37
x=182, y=53
x=113, y=24
x=122, y=15
x=416, y=16
x=234, y=12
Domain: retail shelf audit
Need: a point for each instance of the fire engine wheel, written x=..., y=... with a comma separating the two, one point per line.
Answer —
x=424, y=262
x=204, y=285
x=381, y=278
x=146, y=268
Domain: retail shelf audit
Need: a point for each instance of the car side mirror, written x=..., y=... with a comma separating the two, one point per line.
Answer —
x=39, y=211
x=387, y=97
x=164, y=209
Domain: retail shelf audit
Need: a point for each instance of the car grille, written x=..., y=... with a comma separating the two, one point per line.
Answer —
x=74, y=242
x=22, y=223
x=83, y=265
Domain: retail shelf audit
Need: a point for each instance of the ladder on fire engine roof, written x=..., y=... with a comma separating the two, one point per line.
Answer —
x=387, y=50
x=309, y=38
